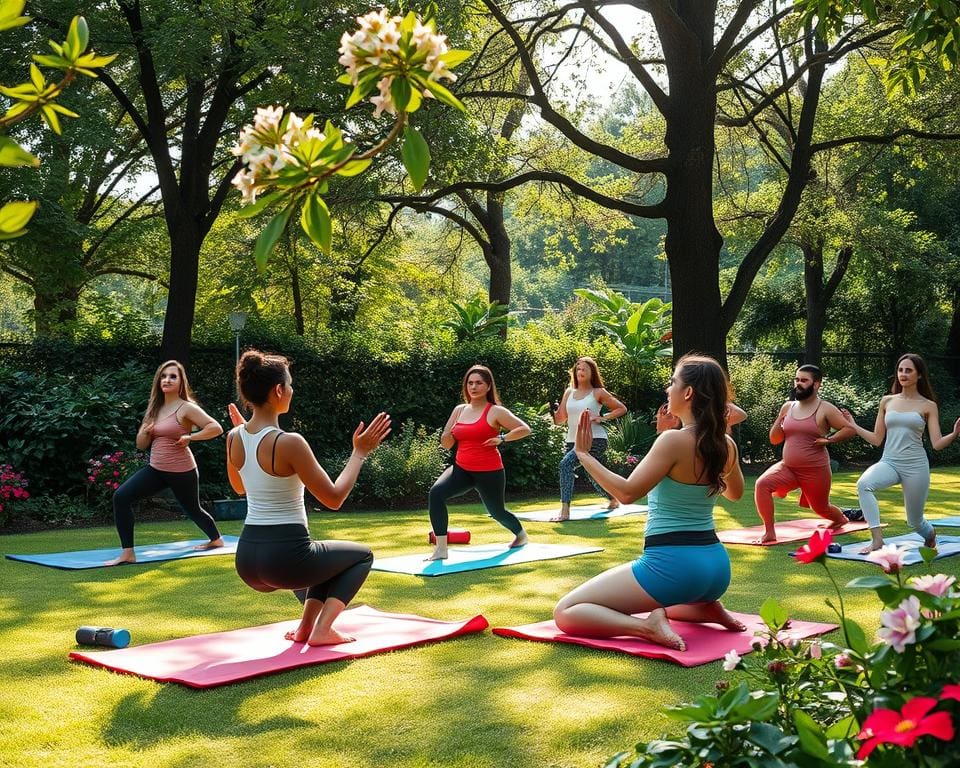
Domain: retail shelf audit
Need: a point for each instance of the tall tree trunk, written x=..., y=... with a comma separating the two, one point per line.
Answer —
x=497, y=255
x=185, y=242
x=816, y=307
x=297, y=299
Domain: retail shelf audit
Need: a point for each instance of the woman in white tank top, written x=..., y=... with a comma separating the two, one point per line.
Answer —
x=271, y=468
x=586, y=393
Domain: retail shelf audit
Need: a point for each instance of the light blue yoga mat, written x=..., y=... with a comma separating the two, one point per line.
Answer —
x=909, y=543
x=474, y=558
x=947, y=522
x=147, y=553
x=586, y=512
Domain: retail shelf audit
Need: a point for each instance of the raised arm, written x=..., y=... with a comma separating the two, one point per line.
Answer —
x=513, y=428
x=876, y=437
x=836, y=421
x=144, y=434
x=776, y=431
x=233, y=474
x=651, y=470
x=208, y=427
x=447, y=439
x=560, y=415
x=294, y=451
x=938, y=440
x=615, y=409
x=732, y=473
x=735, y=415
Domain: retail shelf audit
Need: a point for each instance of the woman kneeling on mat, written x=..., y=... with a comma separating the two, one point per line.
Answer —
x=684, y=569
x=167, y=430
x=272, y=467
x=477, y=427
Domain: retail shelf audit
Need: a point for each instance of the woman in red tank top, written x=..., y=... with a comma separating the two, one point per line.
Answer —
x=167, y=430
x=477, y=427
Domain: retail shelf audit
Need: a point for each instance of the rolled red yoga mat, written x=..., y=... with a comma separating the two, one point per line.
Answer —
x=454, y=536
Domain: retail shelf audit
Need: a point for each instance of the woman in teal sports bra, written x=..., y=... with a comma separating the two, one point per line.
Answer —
x=684, y=569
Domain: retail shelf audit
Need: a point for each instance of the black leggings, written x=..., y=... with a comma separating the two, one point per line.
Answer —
x=272, y=557
x=456, y=480
x=148, y=482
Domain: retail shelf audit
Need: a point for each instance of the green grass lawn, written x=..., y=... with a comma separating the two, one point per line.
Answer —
x=475, y=701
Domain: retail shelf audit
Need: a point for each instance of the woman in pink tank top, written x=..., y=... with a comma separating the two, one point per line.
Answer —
x=167, y=430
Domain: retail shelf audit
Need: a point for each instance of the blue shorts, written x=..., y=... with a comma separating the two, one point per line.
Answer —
x=676, y=575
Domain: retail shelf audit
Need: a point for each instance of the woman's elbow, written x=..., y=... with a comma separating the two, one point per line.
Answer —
x=216, y=427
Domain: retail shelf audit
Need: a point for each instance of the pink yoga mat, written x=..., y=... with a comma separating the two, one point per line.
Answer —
x=206, y=661
x=787, y=531
x=705, y=642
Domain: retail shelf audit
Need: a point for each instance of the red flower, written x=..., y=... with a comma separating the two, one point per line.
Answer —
x=950, y=691
x=815, y=549
x=903, y=728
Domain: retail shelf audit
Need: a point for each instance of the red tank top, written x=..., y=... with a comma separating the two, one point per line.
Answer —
x=472, y=454
x=799, y=450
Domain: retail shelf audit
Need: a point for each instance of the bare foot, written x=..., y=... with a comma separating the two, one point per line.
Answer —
x=214, y=544
x=869, y=548
x=715, y=613
x=438, y=554
x=613, y=504
x=837, y=524
x=520, y=540
x=561, y=517
x=330, y=637
x=657, y=630
x=767, y=538
x=124, y=559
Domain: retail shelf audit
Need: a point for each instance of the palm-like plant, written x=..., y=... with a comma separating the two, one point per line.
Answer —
x=642, y=331
x=478, y=319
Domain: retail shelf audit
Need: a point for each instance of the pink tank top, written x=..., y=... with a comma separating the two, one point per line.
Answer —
x=799, y=450
x=165, y=454
x=472, y=454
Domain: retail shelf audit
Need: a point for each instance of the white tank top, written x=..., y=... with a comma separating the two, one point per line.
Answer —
x=575, y=407
x=271, y=500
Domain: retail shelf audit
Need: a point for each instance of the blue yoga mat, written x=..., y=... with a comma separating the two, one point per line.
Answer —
x=147, y=553
x=474, y=558
x=910, y=543
x=946, y=522
x=586, y=512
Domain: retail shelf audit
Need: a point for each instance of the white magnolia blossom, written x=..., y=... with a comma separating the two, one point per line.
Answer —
x=265, y=152
x=731, y=660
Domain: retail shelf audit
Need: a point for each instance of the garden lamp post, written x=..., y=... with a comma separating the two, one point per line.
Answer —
x=237, y=321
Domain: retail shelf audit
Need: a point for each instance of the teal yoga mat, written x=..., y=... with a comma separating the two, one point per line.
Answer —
x=146, y=553
x=585, y=512
x=475, y=558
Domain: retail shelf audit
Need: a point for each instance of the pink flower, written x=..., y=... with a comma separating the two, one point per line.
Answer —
x=842, y=661
x=903, y=728
x=815, y=550
x=116, y=474
x=816, y=650
x=900, y=625
x=950, y=691
x=889, y=557
x=91, y=478
x=938, y=585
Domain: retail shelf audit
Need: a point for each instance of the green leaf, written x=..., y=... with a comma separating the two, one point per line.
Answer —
x=812, y=740
x=929, y=554
x=416, y=157
x=454, y=57
x=855, y=636
x=249, y=211
x=315, y=221
x=444, y=96
x=268, y=238
x=844, y=729
x=943, y=644
x=353, y=167
x=14, y=217
x=773, y=614
x=10, y=17
x=78, y=36
x=868, y=582
x=12, y=155
x=400, y=91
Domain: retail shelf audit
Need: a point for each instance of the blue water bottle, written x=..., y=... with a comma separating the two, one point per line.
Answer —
x=105, y=636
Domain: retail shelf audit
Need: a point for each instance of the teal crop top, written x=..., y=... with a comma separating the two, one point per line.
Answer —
x=675, y=506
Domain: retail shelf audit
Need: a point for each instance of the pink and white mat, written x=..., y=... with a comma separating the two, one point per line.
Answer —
x=705, y=642
x=787, y=531
x=207, y=661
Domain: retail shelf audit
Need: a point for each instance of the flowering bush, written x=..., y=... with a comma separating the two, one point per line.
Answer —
x=288, y=161
x=13, y=488
x=107, y=472
x=891, y=702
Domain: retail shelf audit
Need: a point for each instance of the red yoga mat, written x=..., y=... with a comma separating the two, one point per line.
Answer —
x=787, y=531
x=206, y=661
x=705, y=642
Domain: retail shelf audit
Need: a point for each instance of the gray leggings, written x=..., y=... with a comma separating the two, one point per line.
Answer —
x=455, y=481
x=569, y=464
x=914, y=477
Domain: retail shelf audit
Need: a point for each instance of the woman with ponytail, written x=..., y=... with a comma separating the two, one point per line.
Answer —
x=272, y=467
x=684, y=569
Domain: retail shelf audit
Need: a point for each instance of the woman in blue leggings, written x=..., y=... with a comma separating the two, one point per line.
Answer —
x=684, y=569
x=903, y=415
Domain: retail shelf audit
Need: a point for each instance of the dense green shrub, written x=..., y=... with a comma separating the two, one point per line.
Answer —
x=760, y=386
x=531, y=463
x=402, y=470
